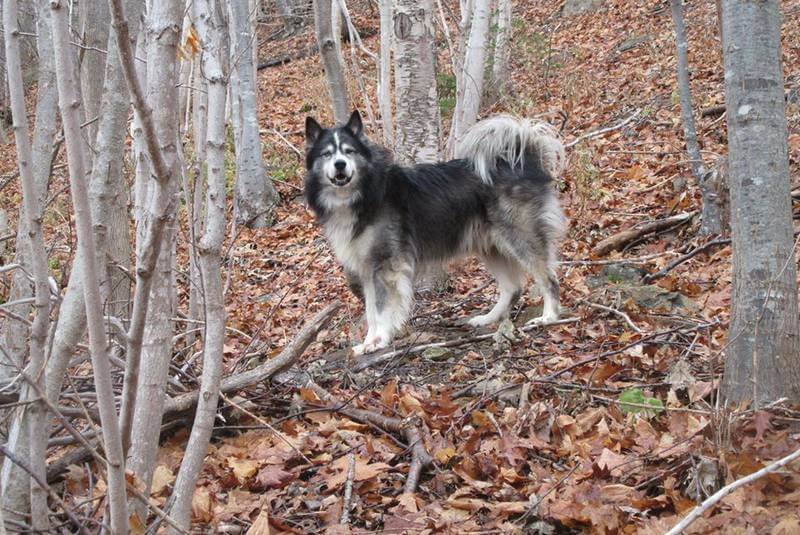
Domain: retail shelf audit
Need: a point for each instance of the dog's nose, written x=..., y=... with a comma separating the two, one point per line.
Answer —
x=340, y=165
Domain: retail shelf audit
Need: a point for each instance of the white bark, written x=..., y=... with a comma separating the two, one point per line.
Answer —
x=385, y=73
x=501, y=46
x=763, y=357
x=210, y=29
x=38, y=265
x=331, y=60
x=470, y=88
x=254, y=196
x=418, y=118
x=93, y=31
x=69, y=103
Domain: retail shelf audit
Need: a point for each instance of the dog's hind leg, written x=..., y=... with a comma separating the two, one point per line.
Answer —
x=510, y=278
x=544, y=272
x=389, y=295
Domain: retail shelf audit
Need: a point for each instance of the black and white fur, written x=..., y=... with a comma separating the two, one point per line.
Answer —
x=384, y=221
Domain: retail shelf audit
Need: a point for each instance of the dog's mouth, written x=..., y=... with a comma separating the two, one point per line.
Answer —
x=340, y=179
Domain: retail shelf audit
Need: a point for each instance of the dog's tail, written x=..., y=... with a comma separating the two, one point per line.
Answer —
x=512, y=140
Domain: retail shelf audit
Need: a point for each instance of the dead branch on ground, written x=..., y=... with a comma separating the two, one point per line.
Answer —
x=621, y=239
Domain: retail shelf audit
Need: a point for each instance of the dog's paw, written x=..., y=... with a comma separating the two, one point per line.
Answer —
x=544, y=319
x=481, y=321
x=372, y=344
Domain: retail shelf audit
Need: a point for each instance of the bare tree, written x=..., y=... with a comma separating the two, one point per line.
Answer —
x=93, y=30
x=210, y=28
x=331, y=60
x=69, y=104
x=385, y=73
x=502, y=49
x=36, y=426
x=763, y=357
x=470, y=83
x=418, y=119
x=712, y=211
x=254, y=196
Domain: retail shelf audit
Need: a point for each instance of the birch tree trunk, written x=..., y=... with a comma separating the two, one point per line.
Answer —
x=210, y=30
x=763, y=357
x=69, y=103
x=712, y=211
x=154, y=341
x=38, y=264
x=385, y=73
x=93, y=26
x=501, y=47
x=470, y=92
x=331, y=60
x=418, y=118
x=254, y=196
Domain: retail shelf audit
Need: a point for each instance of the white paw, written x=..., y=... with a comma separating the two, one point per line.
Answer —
x=481, y=321
x=544, y=319
x=372, y=344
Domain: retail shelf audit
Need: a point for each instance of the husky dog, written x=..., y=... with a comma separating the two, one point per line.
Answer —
x=385, y=221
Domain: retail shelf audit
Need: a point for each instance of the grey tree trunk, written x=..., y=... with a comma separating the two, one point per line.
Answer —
x=712, y=211
x=210, y=29
x=385, y=73
x=15, y=481
x=331, y=60
x=35, y=411
x=417, y=105
x=254, y=196
x=502, y=49
x=94, y=25
x=470, y=91
x=163, y=29
x=69, y=104
x=763, y=357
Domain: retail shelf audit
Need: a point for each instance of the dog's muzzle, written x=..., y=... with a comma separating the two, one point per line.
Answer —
x=340, y=179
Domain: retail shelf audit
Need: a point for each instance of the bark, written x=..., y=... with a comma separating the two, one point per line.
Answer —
x=69, y=103
x=470, y=84
x=150, y=336
x=385, y=73
x=711, y=216
x=93, y=30
x=36, y=425
x=763, y=357
x=255, y=197
x=210, y=30
x=331, y=60
x=418, y=119
x=501, y=47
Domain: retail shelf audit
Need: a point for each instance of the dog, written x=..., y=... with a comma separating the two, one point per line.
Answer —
x=385, y=222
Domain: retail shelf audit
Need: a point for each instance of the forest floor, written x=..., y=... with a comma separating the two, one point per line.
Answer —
x=608, y=423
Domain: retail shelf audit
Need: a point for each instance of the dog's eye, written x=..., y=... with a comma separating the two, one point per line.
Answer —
x=327, y=154
x=349, y=151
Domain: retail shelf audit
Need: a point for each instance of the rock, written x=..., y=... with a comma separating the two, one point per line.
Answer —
x=579, y=7
x=656, y=299
x=616, y=274
x=437, y=354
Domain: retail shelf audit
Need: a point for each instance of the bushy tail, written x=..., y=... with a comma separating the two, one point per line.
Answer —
x=507, y=138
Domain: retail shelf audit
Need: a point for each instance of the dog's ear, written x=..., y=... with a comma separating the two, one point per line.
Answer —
x=355, y=125
x=313, y=130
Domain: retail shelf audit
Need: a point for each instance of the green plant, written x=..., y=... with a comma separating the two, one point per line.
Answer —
x=633, y=401
x=446, y=89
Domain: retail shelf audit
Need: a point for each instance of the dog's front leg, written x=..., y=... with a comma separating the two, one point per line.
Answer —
x=388, y=297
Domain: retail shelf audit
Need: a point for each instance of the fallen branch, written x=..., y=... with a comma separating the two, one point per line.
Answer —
x=380, y=358
x=420, y=458
x=261, y=373
x=727, y=489
x=619, y=240
x=680, y=260
x=619, y=313
x=348, y=490
x=602, y=131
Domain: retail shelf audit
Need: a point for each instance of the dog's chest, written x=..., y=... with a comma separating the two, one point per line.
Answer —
x=350, y=251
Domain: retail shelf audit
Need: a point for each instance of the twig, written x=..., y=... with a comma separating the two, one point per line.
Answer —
x=602, y=131
x=727, y=489
x=286, y=141
x=56, y=498
x=622, y=238
x=680, y=260
x=619, y=313
x=348, y=490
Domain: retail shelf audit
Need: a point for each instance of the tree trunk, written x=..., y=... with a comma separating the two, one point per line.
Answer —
x=418, y=119
x=255, y=197
x=154, y=341
x=763, y=357
x=501, y=47
x=69, y=103
x=331, y=60
x=37, y=424
x=210, y=28
x=385, y=73
x=470, y=90
x=94, y=24
x=712, y=211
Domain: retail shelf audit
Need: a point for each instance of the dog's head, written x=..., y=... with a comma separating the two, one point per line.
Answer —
x=337, y=157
